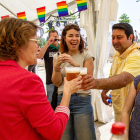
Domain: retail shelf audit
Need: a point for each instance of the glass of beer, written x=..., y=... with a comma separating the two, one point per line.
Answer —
x=83, y=72
x=72, y=72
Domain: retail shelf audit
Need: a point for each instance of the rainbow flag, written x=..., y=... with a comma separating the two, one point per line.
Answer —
x=62, y=8
x=81, y=4
x=21, y=15
x=41, y=14
x=7, y=16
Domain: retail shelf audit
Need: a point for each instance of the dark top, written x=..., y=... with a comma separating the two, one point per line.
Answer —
x=134, y=127
x=48, y=58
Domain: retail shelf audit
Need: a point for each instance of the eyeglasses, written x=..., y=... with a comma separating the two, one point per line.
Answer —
x=36, y=41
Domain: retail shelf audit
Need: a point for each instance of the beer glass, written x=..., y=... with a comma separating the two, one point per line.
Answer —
x=72, y=72
x=83, y=73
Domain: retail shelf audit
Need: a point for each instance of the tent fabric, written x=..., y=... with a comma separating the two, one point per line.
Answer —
x=97, y=44
x=29, y=6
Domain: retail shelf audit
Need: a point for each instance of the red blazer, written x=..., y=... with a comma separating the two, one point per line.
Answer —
x=25, y=112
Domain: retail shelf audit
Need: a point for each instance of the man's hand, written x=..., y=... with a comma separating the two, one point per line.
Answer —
x=105, y=97
x=51, y=40
x=89, y=82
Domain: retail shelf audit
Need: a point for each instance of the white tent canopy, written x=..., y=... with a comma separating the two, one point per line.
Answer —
x=12, y=7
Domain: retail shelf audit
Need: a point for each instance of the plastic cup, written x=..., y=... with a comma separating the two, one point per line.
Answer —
x=72, y=72
x=83, y=72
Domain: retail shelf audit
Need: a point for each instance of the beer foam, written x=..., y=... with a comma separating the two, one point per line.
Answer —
x=73, y=70
x=83, y=72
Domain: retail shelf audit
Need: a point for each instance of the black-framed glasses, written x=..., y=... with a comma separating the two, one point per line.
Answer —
x=36, y=41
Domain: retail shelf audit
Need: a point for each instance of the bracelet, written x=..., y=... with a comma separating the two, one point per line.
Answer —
x=57, y=68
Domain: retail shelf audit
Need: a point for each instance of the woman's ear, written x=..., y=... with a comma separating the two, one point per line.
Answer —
x=20, y=51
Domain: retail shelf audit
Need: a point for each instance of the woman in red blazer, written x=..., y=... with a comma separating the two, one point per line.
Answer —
x=25, y=112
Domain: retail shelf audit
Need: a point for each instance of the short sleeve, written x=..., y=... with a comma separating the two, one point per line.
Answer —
x=132, y=66
x=88, y=55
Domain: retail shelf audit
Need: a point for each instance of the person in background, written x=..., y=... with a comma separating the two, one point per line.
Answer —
x=131, y=110
x=48, y=52
x=31, y=68
x=25, y=112
x=74, y=54
x=125, y=66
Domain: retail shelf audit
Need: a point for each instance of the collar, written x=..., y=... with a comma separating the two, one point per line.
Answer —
x=127, y=51
x=9, y=63
x=53, y=47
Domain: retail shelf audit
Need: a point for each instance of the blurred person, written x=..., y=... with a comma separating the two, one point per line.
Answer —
x=74, y=54
x=26, y=113
x=125, y=66
x=31, y=68
x=131, y=110
x=47, y=52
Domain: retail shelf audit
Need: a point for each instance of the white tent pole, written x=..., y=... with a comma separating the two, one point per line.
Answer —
x=7, y=9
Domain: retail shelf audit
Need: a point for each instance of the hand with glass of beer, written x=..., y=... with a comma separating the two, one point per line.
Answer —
x=72, y=72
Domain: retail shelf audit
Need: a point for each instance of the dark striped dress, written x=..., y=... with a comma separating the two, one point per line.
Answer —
x=134, y=127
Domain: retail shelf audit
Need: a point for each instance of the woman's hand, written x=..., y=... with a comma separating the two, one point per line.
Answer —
x=68, y=58
x=59, y=60
x=72, y=86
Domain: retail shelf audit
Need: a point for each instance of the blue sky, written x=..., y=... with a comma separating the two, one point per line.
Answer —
x=132, y=9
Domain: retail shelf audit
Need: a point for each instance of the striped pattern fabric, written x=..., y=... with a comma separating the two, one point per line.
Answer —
x=41, y=14
x=129, y=62
x=21, y=15
x=63, y=109
x=81, y=5
x=62, y=8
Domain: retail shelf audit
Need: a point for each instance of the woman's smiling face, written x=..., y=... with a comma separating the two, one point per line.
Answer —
x=72, y=40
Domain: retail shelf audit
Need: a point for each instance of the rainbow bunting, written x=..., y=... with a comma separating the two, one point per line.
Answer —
x=81, y=4
x=21, y=15
x=62, y=8
x=5, y=16
x=41, y=14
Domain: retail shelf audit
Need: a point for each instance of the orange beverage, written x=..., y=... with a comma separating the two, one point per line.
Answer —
x=72, y=72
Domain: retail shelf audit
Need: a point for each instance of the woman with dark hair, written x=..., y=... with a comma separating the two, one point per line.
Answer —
x=25, y=112
x=74, y=54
